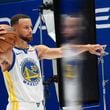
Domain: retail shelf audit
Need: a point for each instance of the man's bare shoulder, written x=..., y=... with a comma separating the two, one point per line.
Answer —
x=41, y=50
x=41, y=46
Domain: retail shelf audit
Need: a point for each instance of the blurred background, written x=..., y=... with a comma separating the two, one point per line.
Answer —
x=70, y=22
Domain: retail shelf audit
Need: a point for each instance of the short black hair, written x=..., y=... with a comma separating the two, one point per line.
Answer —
x=15, y=18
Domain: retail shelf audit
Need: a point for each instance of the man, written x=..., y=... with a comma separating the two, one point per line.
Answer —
x=21, y=69
x=71, y=28
x=74, y=31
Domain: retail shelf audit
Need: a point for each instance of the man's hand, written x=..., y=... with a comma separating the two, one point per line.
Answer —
x=2, y=31
x=96, y=49
x=4, y=28
x=7, y=38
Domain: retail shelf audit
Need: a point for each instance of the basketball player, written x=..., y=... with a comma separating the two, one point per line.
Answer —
x=70, y=28
x=21, y=69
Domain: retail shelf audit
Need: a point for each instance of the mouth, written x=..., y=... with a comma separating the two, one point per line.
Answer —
x=29, y=35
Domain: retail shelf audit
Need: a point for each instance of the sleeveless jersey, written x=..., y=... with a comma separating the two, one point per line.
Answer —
x=23, y=79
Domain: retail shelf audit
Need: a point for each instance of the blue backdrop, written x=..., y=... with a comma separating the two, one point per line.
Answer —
x=102, y=33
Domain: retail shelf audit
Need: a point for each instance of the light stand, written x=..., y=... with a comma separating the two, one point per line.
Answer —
x=101, y=60
x=41, y=42
x=41, y=38
x=45, y=6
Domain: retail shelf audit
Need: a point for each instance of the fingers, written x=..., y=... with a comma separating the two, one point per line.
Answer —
x=100, y=50
x=96, y=53
x=3, y=32
x=3, y=28
x=2, y=38
x=97, y=49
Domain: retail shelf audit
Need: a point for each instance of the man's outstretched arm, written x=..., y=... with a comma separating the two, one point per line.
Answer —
x=45, y=52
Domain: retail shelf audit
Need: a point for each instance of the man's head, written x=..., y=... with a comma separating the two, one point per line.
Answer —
x=70, y=25
x=22, y=25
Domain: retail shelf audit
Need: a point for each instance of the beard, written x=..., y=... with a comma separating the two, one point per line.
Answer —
x=27, y=39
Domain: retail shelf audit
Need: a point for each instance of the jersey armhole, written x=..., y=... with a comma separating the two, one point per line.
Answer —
x=13, y=62
x=36, y=52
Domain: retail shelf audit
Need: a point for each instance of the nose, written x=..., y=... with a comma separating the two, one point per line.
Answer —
x=30, y=29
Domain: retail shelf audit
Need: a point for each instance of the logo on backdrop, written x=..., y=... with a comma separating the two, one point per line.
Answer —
x=102, y=18
x=35, y=26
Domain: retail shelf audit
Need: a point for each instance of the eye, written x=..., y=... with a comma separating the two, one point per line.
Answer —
x=26, y=27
